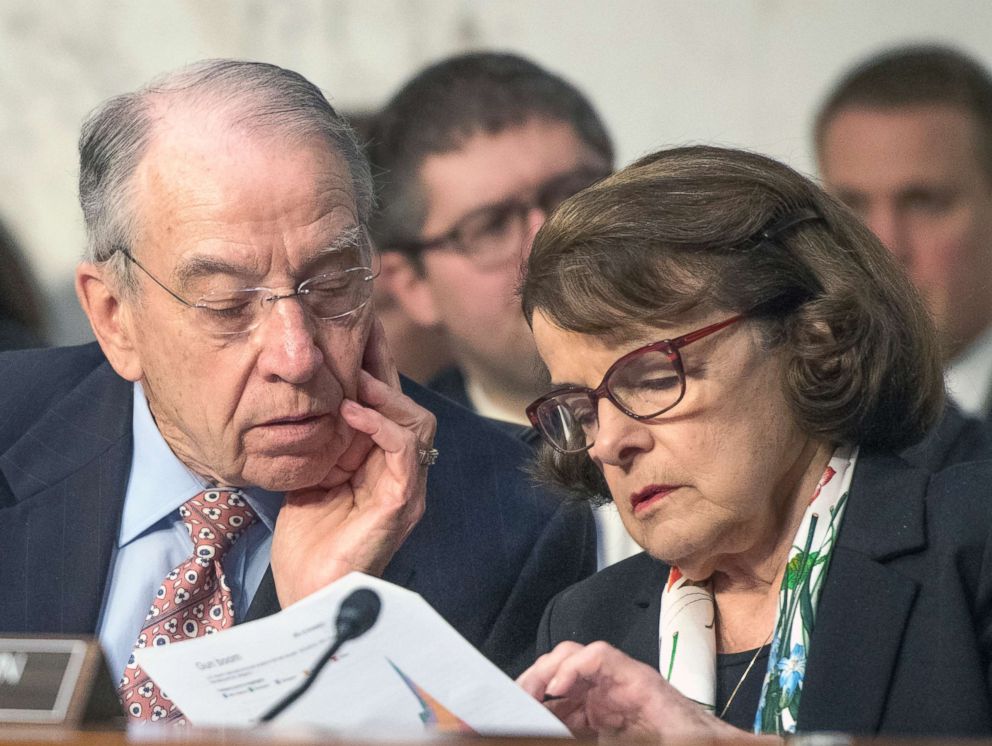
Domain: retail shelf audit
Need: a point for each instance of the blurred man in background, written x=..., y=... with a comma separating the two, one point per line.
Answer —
x=905, y=139
x=420, y=352
x=471, y=156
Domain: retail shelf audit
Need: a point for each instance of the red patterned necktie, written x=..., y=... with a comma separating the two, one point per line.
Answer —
x=193, y=600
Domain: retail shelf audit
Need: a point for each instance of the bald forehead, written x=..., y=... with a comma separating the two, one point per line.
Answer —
x=202, y=120
x=212, y=196
x=192, y=146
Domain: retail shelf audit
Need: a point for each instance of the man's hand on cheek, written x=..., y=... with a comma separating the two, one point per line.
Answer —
x=348, y=462
x=361, y=513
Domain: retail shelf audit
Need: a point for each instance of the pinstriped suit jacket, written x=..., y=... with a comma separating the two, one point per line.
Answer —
x=488, y=554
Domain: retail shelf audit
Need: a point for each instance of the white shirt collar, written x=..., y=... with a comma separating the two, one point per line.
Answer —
x=969, y=376
x=487, y=408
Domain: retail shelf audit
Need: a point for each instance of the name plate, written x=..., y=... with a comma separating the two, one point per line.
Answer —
x=54, y=681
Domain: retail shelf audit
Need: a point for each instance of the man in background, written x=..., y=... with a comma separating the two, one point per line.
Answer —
x=420, y=352
x=470, y=157
x=905, y=139
x=238, y=437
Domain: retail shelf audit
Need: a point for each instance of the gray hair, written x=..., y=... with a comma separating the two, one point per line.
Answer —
x=254, y=95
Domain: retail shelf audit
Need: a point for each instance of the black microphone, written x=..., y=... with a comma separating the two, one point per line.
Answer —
x=358, y=612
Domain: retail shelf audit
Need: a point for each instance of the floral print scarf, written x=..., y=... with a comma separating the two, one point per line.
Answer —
x=687, y=639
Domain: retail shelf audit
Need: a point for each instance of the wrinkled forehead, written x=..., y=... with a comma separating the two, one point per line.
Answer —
x=212, y=188
x=211, y=148
x=562, y=348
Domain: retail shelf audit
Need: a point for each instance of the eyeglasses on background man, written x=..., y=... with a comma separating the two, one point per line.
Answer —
x=494, y=234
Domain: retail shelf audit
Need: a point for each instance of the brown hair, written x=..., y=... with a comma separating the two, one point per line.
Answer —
x=680, y=231
x=917, y=76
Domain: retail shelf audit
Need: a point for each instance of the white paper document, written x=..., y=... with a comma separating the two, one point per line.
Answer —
x=410, y=674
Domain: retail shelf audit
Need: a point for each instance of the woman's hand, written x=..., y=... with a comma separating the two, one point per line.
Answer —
x=597, y=690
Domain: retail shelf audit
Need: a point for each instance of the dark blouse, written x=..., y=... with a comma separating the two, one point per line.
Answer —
x=729, y=669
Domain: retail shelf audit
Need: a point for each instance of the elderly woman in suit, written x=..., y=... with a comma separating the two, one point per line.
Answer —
x=735, y=361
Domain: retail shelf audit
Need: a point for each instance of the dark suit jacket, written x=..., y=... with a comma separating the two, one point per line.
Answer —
x=955, y=439
x=903, y=637
x=15, y=336
x=451, y=383
x=488, y=553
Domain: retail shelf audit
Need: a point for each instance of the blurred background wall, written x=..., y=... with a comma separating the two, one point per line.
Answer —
x=662, y=72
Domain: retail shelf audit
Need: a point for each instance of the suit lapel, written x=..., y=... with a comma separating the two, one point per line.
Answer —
x=67, y=475
x=865, y=605
x=640, y=637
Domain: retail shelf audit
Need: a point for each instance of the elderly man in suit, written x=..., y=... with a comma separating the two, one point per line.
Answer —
x=239, y=429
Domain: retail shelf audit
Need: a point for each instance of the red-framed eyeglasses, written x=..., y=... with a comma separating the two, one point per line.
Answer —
x=643, y=384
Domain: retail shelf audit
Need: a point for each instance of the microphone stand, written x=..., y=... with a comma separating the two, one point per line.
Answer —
x=358, y=612
x=298, y=692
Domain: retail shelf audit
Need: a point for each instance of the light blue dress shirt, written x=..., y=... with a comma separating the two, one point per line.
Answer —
x=153, y=541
